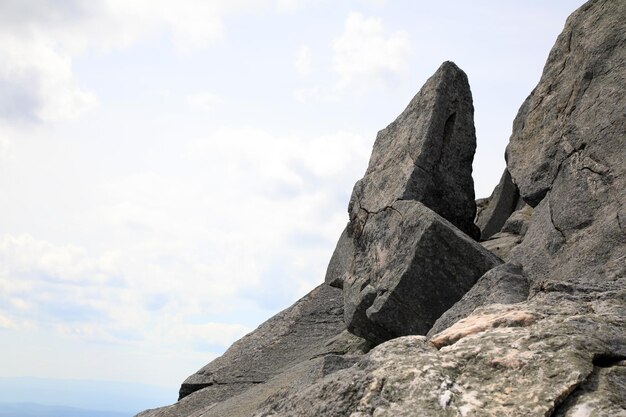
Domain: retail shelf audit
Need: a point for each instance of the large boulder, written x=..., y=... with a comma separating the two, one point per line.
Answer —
x=543, y=335
x=426, y=155
x=562, y=351
x=410, y=265
x=498, y=207
x=567, y=155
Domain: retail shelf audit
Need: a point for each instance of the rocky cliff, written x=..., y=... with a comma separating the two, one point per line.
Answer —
x=418, y=318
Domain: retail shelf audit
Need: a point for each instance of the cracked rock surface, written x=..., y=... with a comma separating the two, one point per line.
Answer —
x=543, y=334
x=410, y=266
x=503, y=360
x=312, y=328
x=426, y=155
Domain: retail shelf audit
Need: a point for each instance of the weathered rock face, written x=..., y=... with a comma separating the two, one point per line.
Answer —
x=504, y=284
x=541, y=335
x=519, y=360
x=498, y=207
x=425, y=155
x=571, y=113
x=562, y=351
x=567, y=154
x=410, y=265
x=312, y=328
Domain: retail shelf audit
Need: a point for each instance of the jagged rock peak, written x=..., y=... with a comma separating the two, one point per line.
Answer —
x=426, y=155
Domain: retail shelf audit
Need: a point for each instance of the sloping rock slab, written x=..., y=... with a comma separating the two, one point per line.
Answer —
x=312, y=327
x=521, y=360
x=410, y=266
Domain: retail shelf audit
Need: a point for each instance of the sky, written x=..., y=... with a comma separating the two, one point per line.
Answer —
x=173, y=173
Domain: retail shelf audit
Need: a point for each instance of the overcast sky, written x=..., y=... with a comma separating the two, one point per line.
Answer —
x=172, y=173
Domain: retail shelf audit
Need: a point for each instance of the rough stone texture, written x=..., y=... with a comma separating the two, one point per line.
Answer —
x=518, y=222
x=516, y=360
x=603, y=393
x=501, y=244
x=312, y=327
x=499, y=207
x=573, y=109
x=567, y=154
x=512, y=233
x=341, y=261
x=561, y=350
x=426, y=155
x=543, y=356
x=244, y=404
x=410, y=266
x=504, y=284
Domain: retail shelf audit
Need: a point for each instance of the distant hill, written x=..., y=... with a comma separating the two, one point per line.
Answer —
x=38, y=410
x=40, y=397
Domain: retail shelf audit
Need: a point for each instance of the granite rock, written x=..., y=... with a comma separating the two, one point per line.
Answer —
x=410, y=266
x=572, y=111
x=504, y=284
x=567, y=155
x=425, y=155
x=520, y=360
x=499, y=207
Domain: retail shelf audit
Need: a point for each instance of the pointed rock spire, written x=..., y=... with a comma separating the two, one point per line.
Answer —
x=425, y=155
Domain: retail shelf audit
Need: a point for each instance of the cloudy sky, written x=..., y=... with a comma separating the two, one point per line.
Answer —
x=172, y=173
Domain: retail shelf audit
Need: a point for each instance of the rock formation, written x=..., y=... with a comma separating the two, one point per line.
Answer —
x=498, y=207
x=410, y=265
x=459, y=332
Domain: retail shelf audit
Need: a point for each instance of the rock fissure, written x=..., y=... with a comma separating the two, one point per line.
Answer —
x=554, y=223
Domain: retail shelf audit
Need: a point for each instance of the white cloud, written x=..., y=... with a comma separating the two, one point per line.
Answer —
x=303, y=60
x=365, y=52
x=204, y=101
x=253, y=232
x=38, y=83
x=365, y=55
x=40, y=39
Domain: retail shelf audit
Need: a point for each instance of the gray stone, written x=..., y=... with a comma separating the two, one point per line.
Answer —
x=501, y=244
x=518, y=222
x=603, y=393
x=516, y=360
x=312, y=328
x=558, y=352
x=410, y=266
x=578, y=105
x=341, y=261
x=504, y=284
x=426, y=155
x=500, y=205
x=567, y=155
x=481, y=204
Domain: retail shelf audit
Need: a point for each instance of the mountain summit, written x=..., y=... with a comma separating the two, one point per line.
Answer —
x=417, y=317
